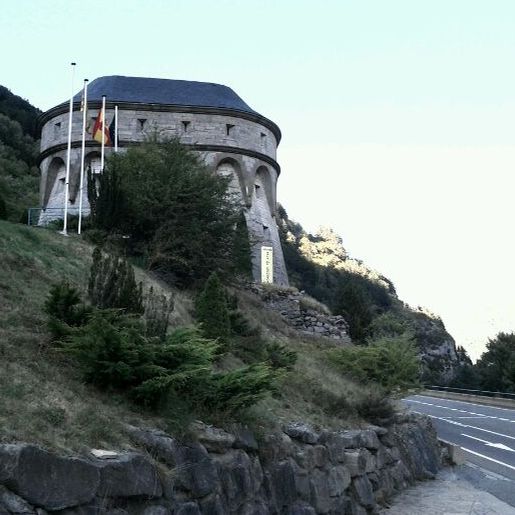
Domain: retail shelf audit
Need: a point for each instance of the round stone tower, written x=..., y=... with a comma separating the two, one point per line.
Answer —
x=211, y=119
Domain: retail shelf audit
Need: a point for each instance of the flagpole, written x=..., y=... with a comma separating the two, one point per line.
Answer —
x=68, y=158
x=103, y=133
x=116, y=128
x=83, y=155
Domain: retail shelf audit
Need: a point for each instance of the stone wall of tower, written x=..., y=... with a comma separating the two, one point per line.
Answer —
x=228, y=144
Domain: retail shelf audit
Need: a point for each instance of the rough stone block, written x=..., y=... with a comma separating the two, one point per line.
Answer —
x=302, y=432
x=127, y=476
x=47, y=480
x=362, y=491
x=10, y=503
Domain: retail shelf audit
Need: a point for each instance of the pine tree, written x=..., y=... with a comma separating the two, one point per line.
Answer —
x=242, y=254
x=112, y=284
x=212, y=310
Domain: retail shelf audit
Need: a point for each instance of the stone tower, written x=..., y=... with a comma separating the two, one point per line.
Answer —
x=211, y=119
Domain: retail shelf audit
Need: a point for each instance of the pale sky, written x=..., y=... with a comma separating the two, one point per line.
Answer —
x=398, y=119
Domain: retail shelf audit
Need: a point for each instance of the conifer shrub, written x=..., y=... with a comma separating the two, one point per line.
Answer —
x=279, y=356
x=113, y=351
x=158, y=308
x=3, y=209
x=212, y=310
x=242, y=254
x=112, y=284
x=393, y=363
x=177, y=215
x=64, y=309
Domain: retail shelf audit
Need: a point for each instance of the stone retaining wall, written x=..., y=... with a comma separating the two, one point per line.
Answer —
x=300, y=312
x=299, y=471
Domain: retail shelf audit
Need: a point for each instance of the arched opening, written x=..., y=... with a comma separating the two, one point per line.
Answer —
x=55, y=177
x=231, y=169
x=92, y=160
x=263, y=188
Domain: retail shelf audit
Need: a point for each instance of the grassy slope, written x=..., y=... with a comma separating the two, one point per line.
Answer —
x=41, y=396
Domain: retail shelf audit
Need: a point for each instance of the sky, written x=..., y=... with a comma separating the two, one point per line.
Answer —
x=398, y=119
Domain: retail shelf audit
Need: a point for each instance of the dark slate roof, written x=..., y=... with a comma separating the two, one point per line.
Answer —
x=118, y=88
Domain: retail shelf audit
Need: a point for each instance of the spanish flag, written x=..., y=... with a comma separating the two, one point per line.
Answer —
x=100, y=126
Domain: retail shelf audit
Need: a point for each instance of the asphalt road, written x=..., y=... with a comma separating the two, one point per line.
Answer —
x=485, y=433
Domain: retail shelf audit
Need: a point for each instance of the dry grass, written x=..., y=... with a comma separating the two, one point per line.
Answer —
x=313, y=391
x=42, y=398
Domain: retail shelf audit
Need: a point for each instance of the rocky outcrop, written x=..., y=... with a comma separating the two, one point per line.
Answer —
x=303, y=313
x=299, y=471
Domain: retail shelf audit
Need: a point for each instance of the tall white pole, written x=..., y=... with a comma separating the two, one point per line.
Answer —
x=116, y=128
x=83, y=155
x=68, y=158
x=103, y=114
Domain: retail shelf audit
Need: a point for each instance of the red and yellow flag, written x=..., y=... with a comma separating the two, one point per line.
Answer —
x=100, y=126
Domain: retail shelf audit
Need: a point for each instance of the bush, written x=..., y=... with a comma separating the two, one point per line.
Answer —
x=279, y=356
x=3, y=209
x=112, y=284
x=212, y=311
x=176, y=212
x=64, y=309
x=354, y=303
x=158, y=309
x=375, y=407
x=391, y=362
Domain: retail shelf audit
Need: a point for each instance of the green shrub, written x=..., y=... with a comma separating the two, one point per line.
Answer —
x=178, y=215
x=3, y=209
x=391, y=362
x=111, y=351
x=353, y=301
x=233, y=391
x=375, y=406
x=279, y=356
x=64, y=309
x=212, y=311
x=112, y=284
x=158, y=309
x=242, y=254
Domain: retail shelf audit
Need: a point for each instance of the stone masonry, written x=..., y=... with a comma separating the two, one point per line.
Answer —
x=303, y=313
x=232, y=139
x=298, y=471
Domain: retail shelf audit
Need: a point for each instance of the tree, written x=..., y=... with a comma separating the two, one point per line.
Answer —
x=112, y=284
x=354, y=303
x=178, y=215
x=212, y=310
x=242, y=254
x=497, y=365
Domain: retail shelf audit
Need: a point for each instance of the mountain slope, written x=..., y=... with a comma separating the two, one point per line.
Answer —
x=320, y=265
x=19, y=175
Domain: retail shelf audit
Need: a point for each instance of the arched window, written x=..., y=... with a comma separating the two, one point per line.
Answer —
x=92, y=160
x=263, y=187
x=55, y=176
x=230, y=168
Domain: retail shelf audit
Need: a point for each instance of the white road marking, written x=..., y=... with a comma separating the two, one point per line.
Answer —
x=465, y=425
x=488, y=458
x=463, y=402
x=461, y=411
x=490, y=444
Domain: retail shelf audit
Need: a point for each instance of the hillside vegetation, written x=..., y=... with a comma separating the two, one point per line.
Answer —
x=41, y=385
x=320, y=265
x=19, y=175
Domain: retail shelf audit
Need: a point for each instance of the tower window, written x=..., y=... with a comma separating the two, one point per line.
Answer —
x=228, y=128
x=57, y=128
x=185, y=125
x=257, y=187
x=263, y=136
x=142, y=122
